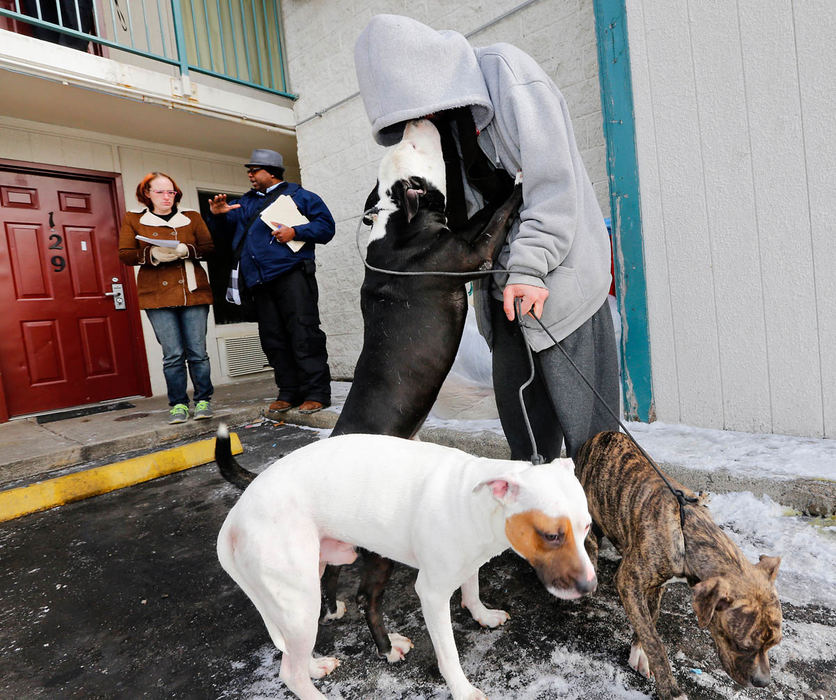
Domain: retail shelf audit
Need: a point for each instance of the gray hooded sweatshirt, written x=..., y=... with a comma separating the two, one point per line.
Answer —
x=407, y=70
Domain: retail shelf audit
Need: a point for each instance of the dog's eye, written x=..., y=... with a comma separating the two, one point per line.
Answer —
x=553, y=537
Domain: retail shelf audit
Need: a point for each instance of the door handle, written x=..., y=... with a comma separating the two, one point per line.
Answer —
x=118, y=296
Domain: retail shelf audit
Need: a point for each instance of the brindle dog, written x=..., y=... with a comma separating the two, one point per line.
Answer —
x=634, y=509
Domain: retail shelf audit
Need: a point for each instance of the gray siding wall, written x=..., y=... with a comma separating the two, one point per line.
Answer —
x=736, y=164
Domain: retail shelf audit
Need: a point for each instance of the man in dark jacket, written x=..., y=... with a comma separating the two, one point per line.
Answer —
x=280, y=276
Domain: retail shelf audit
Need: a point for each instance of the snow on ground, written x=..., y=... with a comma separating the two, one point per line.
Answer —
x=807, y=547
x=807, y=576
x=462, y=407
x=567, y=675
x=744, y=454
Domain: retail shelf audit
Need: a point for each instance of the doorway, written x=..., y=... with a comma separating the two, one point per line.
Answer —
x=70, y=332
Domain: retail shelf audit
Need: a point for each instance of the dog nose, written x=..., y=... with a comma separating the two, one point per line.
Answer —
x=760, y=679
x=587, y=585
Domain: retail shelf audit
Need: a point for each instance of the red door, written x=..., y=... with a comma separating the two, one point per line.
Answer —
x=63, y=341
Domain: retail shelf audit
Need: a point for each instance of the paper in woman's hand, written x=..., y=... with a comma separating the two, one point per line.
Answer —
x=162, y=242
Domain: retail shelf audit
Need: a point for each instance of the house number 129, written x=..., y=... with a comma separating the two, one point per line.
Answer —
x=56, y=242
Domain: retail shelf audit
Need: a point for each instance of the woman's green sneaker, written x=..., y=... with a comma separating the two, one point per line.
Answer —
x=179, y=413
x=202, y=409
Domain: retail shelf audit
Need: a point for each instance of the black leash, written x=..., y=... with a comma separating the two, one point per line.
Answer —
x=681, y=498
x=536, y=457
x=483, y=270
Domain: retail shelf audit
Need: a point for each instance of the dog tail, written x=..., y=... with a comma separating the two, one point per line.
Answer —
x=233, y=472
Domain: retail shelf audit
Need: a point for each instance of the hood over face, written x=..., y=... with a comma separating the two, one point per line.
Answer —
x=407, y=70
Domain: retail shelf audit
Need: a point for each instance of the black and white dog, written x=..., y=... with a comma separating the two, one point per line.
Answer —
x=413, y=324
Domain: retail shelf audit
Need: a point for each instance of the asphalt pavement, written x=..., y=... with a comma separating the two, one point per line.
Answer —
x=122, y=596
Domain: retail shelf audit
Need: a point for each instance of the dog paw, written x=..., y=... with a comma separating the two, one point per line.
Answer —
x=400, y=648
x=321, y=667
x=493, y=618
x=472, y=694
x=488, y=617
x=337, y=614
x=638, y=660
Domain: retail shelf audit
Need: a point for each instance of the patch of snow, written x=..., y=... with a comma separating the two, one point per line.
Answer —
x=807, y=574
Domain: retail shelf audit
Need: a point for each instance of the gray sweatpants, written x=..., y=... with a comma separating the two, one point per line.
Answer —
x=560, y=406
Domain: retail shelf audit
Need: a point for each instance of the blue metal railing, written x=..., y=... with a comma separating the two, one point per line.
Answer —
x=236, y=40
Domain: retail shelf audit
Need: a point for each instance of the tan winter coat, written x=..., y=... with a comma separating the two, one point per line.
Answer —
x=167, y=284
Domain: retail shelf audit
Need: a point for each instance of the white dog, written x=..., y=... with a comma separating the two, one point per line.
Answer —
x=435, y=508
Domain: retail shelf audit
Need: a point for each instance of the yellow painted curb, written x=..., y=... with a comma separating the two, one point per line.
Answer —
x=98, y=480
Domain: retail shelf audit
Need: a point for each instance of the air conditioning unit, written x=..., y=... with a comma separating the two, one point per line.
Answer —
x=241, y=354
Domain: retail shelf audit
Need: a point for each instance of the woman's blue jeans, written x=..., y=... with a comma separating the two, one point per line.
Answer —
x=181, y=331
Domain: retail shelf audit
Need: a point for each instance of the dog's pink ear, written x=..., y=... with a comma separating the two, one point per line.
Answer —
x=769, y=565
x=503, y=490
x=710, y=596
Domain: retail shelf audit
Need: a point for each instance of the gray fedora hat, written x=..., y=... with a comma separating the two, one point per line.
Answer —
x=265, y=158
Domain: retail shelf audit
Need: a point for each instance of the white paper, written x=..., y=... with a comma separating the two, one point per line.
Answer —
x=162, y=242
x=284, y=211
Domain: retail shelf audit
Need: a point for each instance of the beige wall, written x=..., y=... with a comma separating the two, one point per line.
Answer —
x=337, y=156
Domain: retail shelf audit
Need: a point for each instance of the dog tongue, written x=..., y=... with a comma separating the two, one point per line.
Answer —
x=412, y=202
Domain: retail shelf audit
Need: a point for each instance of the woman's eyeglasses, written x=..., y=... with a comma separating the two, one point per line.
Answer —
x=171, y=192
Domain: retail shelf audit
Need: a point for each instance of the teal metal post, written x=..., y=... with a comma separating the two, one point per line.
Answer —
x=622, y=168
x=180, y=37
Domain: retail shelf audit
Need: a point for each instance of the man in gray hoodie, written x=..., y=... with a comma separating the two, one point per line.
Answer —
x=557, y=255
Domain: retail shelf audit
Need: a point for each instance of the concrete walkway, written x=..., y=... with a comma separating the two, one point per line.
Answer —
x=33, y=451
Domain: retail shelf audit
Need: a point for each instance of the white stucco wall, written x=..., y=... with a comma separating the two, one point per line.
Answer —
x=736, y=158
x=337, y=156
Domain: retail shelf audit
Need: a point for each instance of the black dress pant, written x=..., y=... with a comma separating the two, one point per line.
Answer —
x=288, y=327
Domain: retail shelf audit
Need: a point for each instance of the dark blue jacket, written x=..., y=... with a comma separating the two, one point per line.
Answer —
x=263, y=258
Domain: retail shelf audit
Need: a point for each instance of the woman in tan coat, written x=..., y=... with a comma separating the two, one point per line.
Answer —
x=173, y=287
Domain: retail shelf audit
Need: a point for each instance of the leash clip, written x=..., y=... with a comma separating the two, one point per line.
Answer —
x=683, y=501
x=370, y=215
